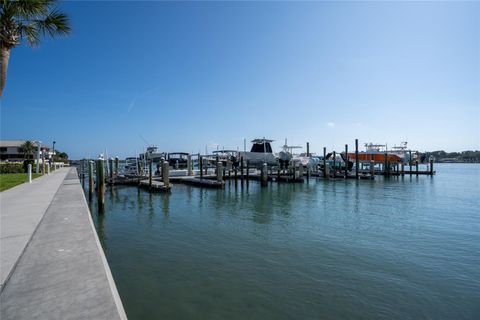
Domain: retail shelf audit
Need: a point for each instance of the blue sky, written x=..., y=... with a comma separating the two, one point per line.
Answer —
x=190, y=74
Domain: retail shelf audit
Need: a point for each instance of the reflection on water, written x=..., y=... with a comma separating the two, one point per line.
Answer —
x=402, y=247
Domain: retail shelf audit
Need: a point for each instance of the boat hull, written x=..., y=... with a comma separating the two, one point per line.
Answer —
x=258, y=158
x=377, y=157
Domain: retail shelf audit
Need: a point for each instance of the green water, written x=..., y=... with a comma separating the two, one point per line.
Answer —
x=399, y=248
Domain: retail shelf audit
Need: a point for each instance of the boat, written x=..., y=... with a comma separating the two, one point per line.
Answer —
x=377, y=153
x=310, y=161
x=260, y=153
x=178, y=160
x=131, y=167
x=226, y=156
x=152, y=154
x=286, y=155
x=337, y=162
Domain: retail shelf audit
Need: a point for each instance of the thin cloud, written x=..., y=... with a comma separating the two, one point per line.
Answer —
x=140, y=96
x=331, y=124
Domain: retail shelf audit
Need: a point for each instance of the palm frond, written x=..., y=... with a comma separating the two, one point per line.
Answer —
x=55, y=23
x=30, y=8
x=30, y=31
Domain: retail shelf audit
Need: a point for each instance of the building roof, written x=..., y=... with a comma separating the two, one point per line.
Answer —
x=11, y=143
x=18, y=143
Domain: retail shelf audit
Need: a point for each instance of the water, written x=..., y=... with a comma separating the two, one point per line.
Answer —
x=401, y=248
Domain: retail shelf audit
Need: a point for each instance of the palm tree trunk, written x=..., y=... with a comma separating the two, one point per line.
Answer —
x=4, y=57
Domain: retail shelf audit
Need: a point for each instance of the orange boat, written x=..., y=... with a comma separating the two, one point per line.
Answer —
x=377, y=157
x=378, y=153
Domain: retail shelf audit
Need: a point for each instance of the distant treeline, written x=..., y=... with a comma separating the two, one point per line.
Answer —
x=464, y=156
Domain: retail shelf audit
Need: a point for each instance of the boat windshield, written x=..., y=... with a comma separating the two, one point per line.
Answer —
x=262, y=147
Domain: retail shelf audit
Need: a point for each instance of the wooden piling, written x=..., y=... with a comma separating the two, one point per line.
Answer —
x=410, y=161
x=90, y=180
x=385, y=172
x=116, y=166
x=200, y=165
x=356, y=159
x=324, y=162
x=334, y=164
x=241, y=168
x=150, y=173
x=346, y=161
x=110, y=167
x=189, y=165
x=83, y=174
x=139, y=171
x=219, y=171
x=416, y=167
x=166, y=174
x=100, y=185
x=308, y=149
x=431, y=165
x=264, y=175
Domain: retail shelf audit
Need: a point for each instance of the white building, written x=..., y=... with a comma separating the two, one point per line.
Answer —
x=10, y=150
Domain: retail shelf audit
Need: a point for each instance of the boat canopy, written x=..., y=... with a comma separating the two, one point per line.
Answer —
x=261, y=140
x=225, y=151
x=262, y=145
x=179, y=153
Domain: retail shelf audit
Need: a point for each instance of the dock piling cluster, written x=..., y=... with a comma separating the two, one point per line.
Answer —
x=213, y=171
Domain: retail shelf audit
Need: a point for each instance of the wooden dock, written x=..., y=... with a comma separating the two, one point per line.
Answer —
x=123, y=180
x=207, y=181
x=157, y=186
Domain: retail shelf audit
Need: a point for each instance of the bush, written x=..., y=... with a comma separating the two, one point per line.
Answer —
x=25, y=165
x=11, y=167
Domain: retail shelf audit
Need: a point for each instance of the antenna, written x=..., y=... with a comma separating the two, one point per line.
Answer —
x=144, y=140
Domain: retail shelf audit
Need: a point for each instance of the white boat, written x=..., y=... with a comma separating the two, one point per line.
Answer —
x=226, y=156
x=260, y=153
x=152, y=154
x=310, y=161
x=405, y=153
x=287, y=153
x=131, y=167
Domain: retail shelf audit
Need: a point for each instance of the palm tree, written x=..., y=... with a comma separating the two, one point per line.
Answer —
x=27, y=148
x=27, y=20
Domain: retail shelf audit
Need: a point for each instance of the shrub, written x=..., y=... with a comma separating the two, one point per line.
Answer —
x=25, y=165
x=7, y=167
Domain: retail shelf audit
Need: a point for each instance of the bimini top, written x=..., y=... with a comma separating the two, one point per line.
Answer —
x=179, y=153
x=262, y=140
x=261, y=146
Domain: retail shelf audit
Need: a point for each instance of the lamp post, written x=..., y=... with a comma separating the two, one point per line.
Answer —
x=37, y=167
x=53, y=152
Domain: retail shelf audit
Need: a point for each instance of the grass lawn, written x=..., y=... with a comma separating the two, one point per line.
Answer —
x=9, y=180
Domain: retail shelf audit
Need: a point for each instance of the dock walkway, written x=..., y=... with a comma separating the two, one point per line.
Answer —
x=53, y=266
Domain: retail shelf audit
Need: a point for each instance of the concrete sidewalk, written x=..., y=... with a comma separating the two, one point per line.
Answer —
x=63, y=273
x=21, y=209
